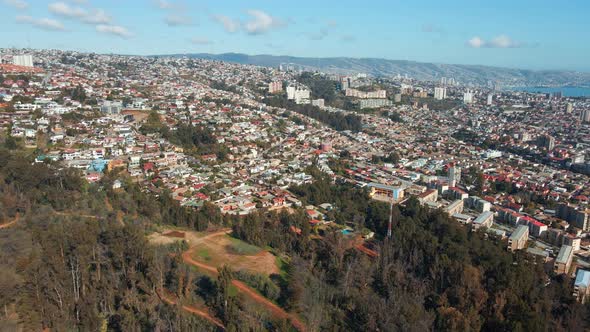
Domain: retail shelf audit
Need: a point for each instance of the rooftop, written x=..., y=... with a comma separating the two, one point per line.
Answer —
x=582, y=279
x=564, y=254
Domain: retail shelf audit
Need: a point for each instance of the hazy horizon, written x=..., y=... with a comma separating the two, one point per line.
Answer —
x=525, y=34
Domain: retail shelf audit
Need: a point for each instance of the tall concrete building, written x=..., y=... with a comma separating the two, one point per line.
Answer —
x=299, y=94
x=468, y=97
x=274, y=87
x=490, y=99
x=578, y=218
x=111, y=107
x=585, y=116
x=440, y=93
x=563, y=262
x=24, y=60
x=547, y=142
x=378, y=94
x=518, y=239
x=569, y=108
x=454, y=176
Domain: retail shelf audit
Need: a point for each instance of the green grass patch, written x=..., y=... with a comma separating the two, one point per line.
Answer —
x=233, y=290
x=240, y=247
x=203, y=254
x=282, y=265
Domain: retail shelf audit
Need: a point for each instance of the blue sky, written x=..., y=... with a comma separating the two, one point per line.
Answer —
x=530, y=34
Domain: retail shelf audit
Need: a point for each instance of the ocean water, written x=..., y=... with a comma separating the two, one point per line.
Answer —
x=567, y=91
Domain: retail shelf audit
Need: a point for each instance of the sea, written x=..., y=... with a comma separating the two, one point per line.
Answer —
x=566, y=91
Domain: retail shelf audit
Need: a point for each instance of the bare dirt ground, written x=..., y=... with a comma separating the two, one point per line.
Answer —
x=214, y=250
x=138, y=115
x=216, y=244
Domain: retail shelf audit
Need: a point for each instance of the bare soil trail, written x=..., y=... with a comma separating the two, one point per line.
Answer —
x=11, y=223
x=277, y=311
x=201, y=312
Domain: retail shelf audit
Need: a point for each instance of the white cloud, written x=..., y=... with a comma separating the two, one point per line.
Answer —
x=504, y=42
x=18, y=4
x=97, y=16
x=476, y=42
x=229, y=24
x=261, y=22
x=201, y=41
x=65, y=10
x=114, y=30
x=501, y=41
x=41, y=23
x=177, y=13
x=178, y=20
x=164, y=4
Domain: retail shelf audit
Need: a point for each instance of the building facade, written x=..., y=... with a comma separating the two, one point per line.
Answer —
x=518, y=239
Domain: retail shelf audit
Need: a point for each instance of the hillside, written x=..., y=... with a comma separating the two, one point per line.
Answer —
x=474, y=74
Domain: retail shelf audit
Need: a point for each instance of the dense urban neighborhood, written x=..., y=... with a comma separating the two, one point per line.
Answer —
x=281, y=157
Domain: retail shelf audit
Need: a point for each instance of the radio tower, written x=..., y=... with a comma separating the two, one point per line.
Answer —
x=390, y=217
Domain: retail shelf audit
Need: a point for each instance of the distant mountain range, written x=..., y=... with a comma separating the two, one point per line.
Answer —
x=467, y=74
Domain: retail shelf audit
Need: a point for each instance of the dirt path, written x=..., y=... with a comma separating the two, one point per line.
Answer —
x=367, y=251
x=186, y=257
x=72, y=214
x=243, y=288
x=11, y=223
x=191, y=309
x=275, y=309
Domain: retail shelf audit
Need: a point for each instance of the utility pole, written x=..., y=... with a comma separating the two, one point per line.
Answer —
x=389, y=226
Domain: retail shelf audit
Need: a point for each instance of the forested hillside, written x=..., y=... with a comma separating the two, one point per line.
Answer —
x=77, y=258
x=433, y=274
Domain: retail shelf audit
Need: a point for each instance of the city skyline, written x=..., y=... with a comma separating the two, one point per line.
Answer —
x=540, y=35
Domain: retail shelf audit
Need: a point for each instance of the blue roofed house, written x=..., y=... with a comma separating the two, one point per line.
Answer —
x=582, y=285
x=97, y=165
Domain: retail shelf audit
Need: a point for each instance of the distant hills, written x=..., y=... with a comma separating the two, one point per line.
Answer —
x=467, y=74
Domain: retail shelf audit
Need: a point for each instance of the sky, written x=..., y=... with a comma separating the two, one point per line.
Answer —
x=527, y=34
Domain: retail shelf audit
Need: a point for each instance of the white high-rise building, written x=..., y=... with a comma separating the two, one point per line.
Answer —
x=454, y=176
x=585, y=116
x=468, y=97
x=440, y=93
x=23, y=60
x=299, y=94
x=569, y=108
x=490, y=99
x=111, y=107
